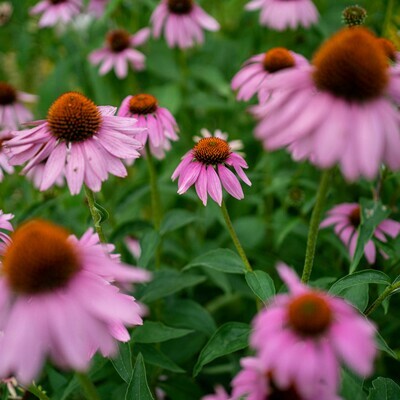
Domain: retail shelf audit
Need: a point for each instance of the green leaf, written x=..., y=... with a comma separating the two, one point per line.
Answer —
x=155, y=357
x=366, y=276
x=357, y=295
x=156, y=332
x=230, y=337
x=383, y=346
x=148, y=244
x=138, y=388
x=123, y=362
x=352, y=387
x=166, y=282
x=176, y=219
x=384, y=389
x=224, y=260
x=372, y=214
x=261, y=284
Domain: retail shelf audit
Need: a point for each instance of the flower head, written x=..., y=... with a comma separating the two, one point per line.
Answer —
x=183, y=22
x=58, y=300
x=54, y=11
x=4, y=164
x=118, y=52
x=161, y=127
x=253, y=76
x=96, y=7
x=354, y=15
x=206, y=166
x=346, y=218
x=342, y=109
x=283, y=14
x=12, y=112
x=79, y=140
x=304, y=335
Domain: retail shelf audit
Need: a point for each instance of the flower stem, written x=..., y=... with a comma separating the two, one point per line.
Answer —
x=386, y=293
x=87, y=386
x=314, y=225
x=155, y=195
x=38, y=392
x=96, y=215
x=234, y=237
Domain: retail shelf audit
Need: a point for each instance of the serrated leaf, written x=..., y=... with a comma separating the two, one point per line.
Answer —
x=261, y=284
x=166, y=282
x=384, y=389
x=123, y=361
x=372, y=214
x=366, y=276
x=176, y=219
x=138, y=388
x=156, y=332
x=230, y=337
x=223, y=260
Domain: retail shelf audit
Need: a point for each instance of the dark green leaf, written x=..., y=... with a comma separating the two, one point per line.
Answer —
x=156, y=332
x=357, y=295
x=148, y=244
x=138, y=388
x=383, y=346
x=176, y=219
x=384, y=389
x=230, y=337
x=123, y=361
x=224, y=260
x=372, y=214
x=261, y=284
x=352, y=387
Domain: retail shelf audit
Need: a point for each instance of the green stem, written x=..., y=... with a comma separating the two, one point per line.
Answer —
x=38, y=392
x=155, y=195
x=87, y=386
x=388, y=18
x=386, y=293
x=314, y=225
x=96, y=215
x=235, y=238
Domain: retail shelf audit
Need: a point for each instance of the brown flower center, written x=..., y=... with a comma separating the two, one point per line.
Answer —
x=143, y=104
x=8, y=95
x=353, y=65
x=73, y=117
x=57, y=1
x=309, y=314
x=180, y=6
x=40, y=258
x=279, y=394
x=118, y=40
x=277, y=59
x=211, y=151
x=389, y=48
x=355, y=217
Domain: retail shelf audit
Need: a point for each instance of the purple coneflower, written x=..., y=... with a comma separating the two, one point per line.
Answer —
x=58, y=301
x=339, y=110
x=54, y=11
x=346, y=219
x=183, y=22
x=206, y=166
x=118, y=52
x=96, y=7
x=160, y=124
x=80, y=141
x=303, y=337
x=12, y=112
x=283, y=14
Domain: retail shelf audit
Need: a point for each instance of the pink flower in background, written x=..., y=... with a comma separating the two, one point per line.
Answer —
x=5, y=224
x=79, y=140
x=96, y=7
x=220, y=394
x=283, y=14
x=253, y=76
x=206, y=167
x=12, y=112
x=161, y=127
x=54, y=11
x=346, y=218
x=133, y=245
x=57, y=300
x=118, y=53
x=4, y=164
x=183, y=22
x=303, y=337
x=256, y=383
x=340, y=110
